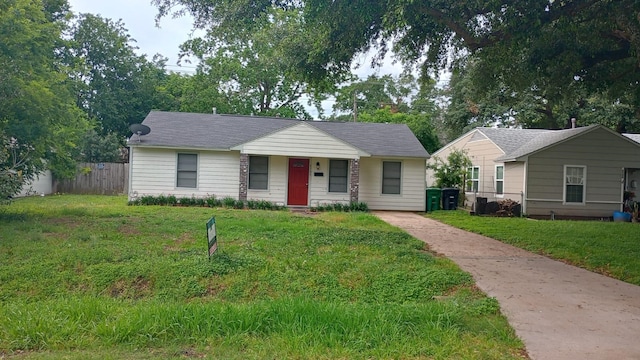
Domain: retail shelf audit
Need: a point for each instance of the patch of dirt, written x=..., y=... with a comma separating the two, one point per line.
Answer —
x=215, y=289
x=191, y=354
x=179, y=242
x=137, y=288
x=128, y=230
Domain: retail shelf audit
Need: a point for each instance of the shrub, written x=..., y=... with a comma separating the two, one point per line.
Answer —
x=228, y=202
x=355, y=206
x=453, y=172
x=148, y=200
x=161, y=200
x=211, y=201
x=359, y=206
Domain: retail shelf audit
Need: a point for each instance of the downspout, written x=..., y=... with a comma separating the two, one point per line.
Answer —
x=129, y=190
x=623, y=184
x=524, y=186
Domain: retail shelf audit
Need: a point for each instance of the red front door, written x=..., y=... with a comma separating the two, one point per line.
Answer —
x=298, y=182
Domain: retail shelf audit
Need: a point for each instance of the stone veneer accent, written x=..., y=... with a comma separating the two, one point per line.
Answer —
x=244, y=177
x=354, y=180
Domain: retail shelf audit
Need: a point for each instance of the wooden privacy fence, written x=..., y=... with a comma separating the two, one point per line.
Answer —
x=97, y=178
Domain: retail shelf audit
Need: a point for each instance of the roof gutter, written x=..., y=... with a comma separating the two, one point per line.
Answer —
x=150, y=146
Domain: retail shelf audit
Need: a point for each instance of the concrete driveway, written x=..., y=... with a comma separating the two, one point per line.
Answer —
x=559, y=311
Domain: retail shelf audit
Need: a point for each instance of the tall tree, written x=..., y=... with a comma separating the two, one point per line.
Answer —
x=388, y=99
x=377, y=92
x=420, y=124
x=252, y=70
x=39, y=122
x=116, y=86
x=474, y=102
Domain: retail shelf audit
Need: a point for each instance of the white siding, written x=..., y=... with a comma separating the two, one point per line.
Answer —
x=277, y=190
x=300, y=141
x=412, y=194
x=604, y=154
x=41, y=185
x=153, y=172
x=319, y=185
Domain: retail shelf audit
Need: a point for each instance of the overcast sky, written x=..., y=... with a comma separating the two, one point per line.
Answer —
x=139, y=18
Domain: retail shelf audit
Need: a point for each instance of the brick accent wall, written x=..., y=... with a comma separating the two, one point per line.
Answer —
x=354, y=180
x=244, y=177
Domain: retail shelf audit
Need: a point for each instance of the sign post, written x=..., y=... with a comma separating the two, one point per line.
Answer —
x=212, y=237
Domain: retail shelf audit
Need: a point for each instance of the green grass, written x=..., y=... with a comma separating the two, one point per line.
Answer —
x=610, y=248
x=87, y=277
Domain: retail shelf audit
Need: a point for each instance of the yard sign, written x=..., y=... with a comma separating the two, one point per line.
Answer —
x=212, y=238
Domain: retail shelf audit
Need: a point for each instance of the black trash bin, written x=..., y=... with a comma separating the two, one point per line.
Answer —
x=433, y=199
x=450, y=198
x=481, y=205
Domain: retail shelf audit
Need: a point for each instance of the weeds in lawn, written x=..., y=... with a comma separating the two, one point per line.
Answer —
x=89, y=275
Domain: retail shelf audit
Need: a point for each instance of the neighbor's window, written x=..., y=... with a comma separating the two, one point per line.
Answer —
x=258, y=172
x=338, y=172
x=187, y=170
x=473, y=179
x=391, y=177
x=574, y=184
x=499, y=179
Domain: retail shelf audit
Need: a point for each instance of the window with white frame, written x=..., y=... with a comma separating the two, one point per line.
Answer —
x=574, y=184
x=338, y=175
x=187, y=174
x=473, y=179
x=391, y=177
x=258, y=172
x=499, y=179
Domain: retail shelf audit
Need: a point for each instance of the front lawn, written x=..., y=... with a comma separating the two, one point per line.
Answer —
x=88, y=277
x=610, y=248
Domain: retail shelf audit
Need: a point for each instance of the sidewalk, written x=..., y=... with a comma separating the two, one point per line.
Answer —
x=561, y=312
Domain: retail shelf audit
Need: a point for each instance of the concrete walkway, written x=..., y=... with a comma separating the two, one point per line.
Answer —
x=559, y=311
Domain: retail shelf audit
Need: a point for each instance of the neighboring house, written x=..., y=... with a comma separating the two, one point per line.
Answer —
x=573, y=172
x=41, y=185
x=292, y=162
x=632, y=180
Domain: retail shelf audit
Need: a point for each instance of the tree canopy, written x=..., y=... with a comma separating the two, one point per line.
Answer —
x=40, y=126
x=254, y=70
x=115, y=86
x=556, y=52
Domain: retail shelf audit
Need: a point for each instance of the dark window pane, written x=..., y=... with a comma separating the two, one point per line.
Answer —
x=258, y=172
x=574, y=193
x=338, y=171
x=391, y=177
x=187, y=174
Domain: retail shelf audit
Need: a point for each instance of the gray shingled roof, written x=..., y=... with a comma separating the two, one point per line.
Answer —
x=634, y=137
x=213, y=131
x=516, y=143
x=510, y=140
x=544, y=139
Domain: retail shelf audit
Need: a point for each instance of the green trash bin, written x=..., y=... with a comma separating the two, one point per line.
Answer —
x=433, y=199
